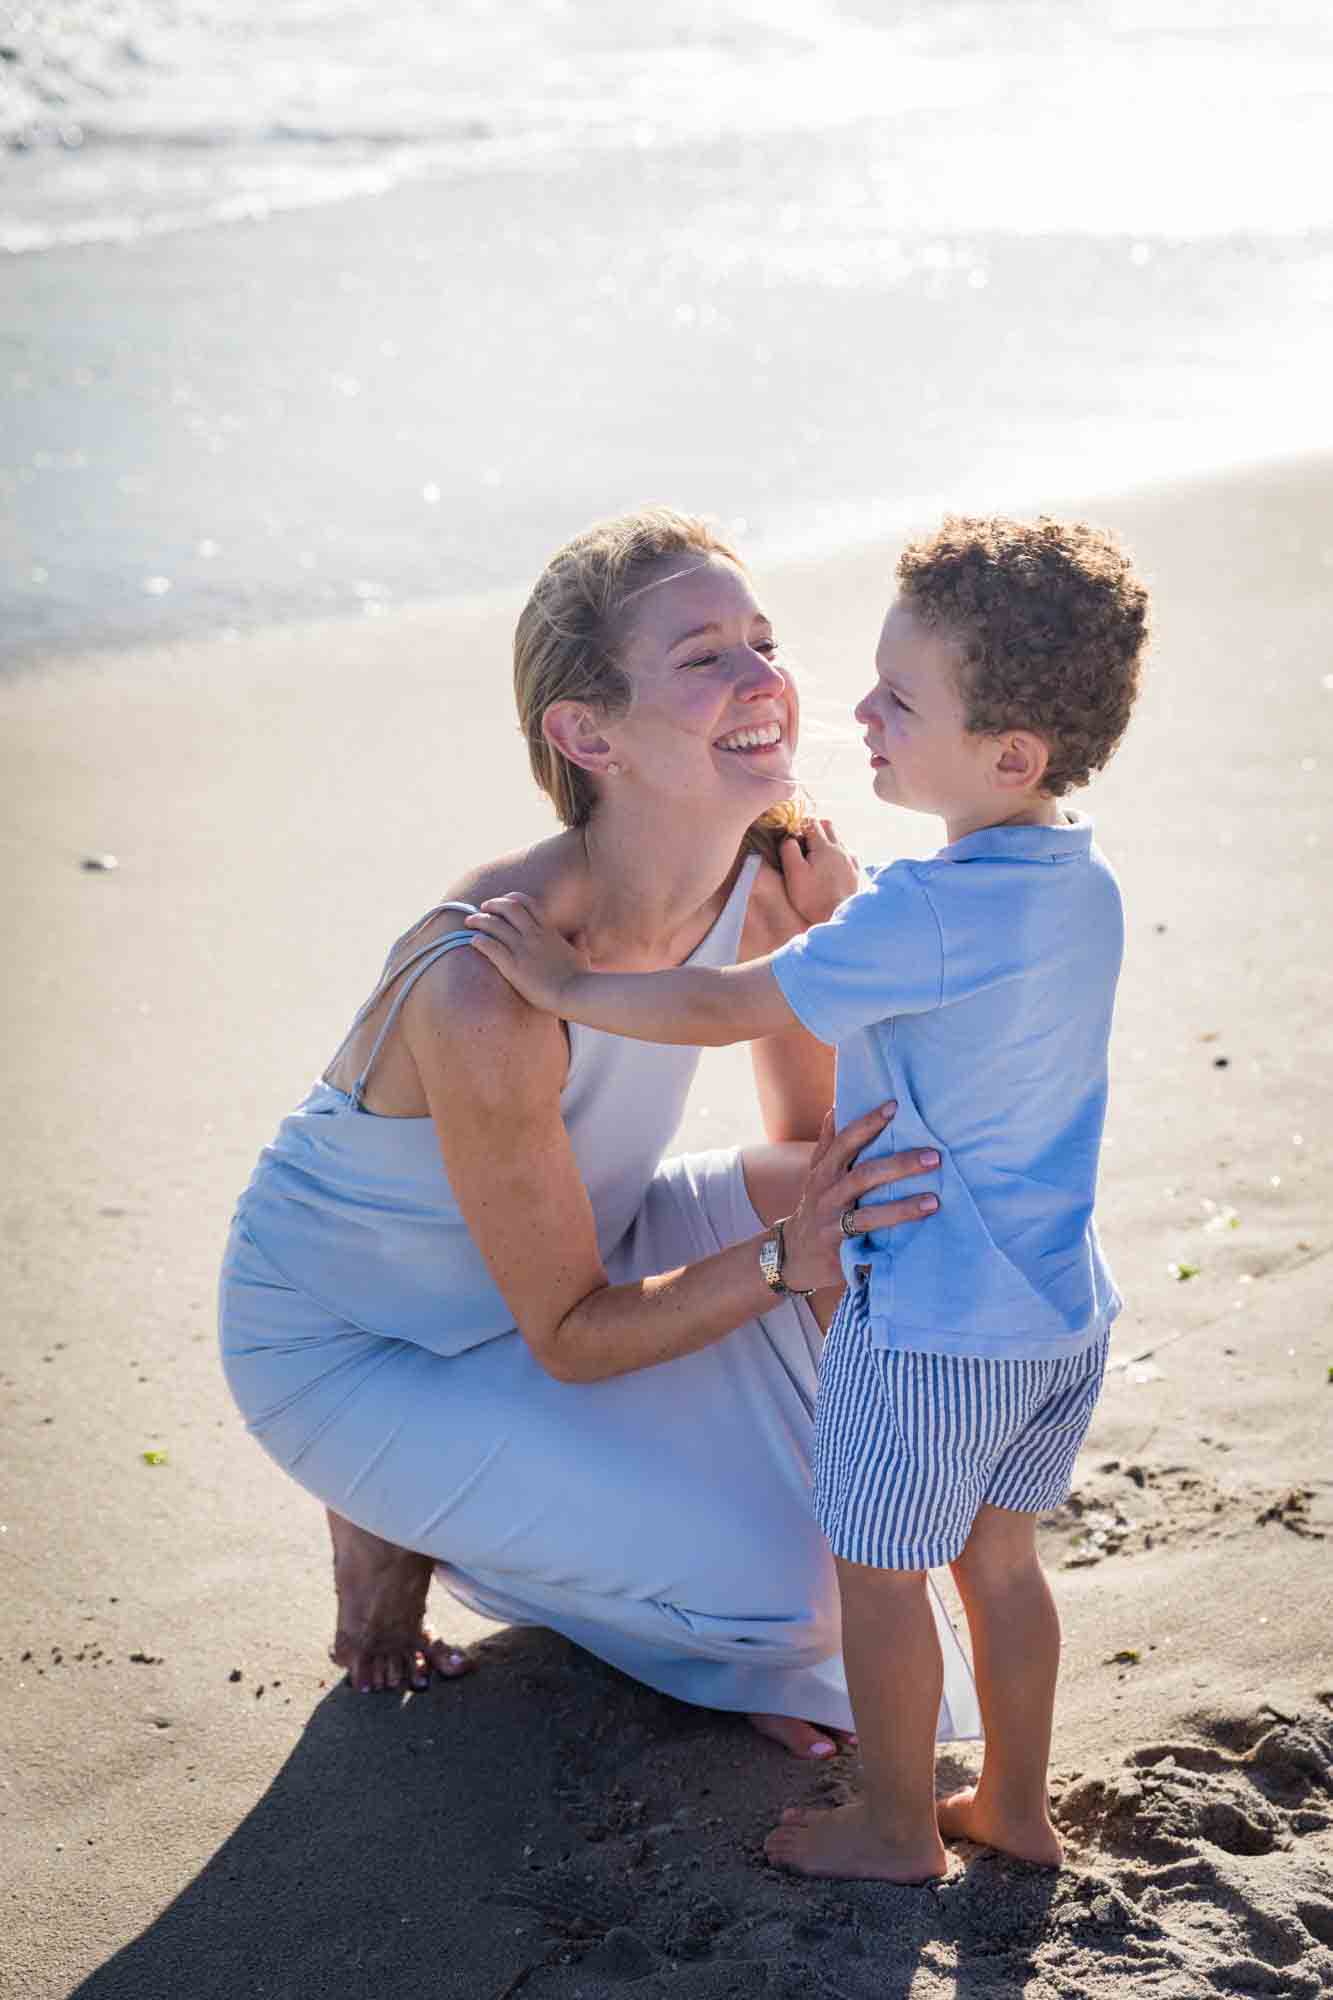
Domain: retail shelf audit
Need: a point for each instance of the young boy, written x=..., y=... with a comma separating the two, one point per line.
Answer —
x=976, y=989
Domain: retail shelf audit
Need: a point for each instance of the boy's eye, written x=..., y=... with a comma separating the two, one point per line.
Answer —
x=768, y=647
x=898, y=702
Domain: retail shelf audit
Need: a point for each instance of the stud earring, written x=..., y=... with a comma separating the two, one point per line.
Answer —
x=612, y=770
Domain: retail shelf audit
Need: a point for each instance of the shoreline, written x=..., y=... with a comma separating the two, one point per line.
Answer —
x=280, y=807
x=797, y=553
x=350, y=405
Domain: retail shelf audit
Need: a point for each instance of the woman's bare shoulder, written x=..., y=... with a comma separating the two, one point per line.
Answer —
x=544, y=871
x=462, y=1006
x=464, y=1022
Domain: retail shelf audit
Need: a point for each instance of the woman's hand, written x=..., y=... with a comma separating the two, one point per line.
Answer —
x=834, y=1186
x=818, y=871
x=537, y=961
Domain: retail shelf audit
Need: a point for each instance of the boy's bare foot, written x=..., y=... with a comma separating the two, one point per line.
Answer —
x=843, y=1841
x=381, y=1637
x=802, y=1739
x=962, y=1818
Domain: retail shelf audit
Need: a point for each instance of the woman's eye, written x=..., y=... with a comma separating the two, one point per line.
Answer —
x=768, y=647
x=898, y=702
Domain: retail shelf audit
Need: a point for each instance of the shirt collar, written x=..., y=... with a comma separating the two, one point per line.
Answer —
x=1070, y=842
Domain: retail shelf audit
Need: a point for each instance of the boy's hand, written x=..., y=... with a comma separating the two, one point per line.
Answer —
x=537, y=961
x=818, y=871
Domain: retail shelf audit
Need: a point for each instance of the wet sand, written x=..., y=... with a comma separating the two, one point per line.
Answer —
x=194, y=1803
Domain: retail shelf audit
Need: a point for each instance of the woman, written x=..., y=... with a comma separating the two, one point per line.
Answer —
x=464, y=1301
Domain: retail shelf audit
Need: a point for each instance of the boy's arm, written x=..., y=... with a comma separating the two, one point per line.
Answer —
x=793, y=1072
x=700, y=1005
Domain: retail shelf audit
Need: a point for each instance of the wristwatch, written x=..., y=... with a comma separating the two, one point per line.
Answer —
x=772, y=1255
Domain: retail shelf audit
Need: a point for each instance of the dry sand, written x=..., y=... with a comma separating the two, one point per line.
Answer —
x=193, y=1805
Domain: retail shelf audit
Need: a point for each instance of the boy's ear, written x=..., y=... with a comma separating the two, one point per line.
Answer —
x=576, y=733
x=1021, y=760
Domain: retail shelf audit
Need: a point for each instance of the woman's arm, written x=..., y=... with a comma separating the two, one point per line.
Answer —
x=492, y=1072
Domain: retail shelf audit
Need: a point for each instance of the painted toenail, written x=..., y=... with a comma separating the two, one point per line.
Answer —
x=455, y=1659
x=823, y=1748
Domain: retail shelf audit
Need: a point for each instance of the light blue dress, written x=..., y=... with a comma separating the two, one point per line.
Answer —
x=660, y=1519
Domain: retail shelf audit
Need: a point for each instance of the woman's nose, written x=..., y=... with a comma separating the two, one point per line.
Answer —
x=760, y=675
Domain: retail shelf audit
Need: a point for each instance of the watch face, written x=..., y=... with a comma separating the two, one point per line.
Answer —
x=770, y=1261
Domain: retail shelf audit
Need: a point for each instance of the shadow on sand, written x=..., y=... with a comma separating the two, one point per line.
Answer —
x=551, y=1827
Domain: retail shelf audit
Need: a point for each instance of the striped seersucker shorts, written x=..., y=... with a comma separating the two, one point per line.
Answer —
x=909, y=1446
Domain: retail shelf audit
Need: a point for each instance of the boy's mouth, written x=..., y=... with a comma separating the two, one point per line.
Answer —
x=756, y=737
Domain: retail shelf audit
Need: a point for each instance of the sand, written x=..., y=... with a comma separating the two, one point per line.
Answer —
x=192, y=1802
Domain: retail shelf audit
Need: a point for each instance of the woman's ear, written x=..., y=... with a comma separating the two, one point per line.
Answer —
x=1021, y=760
x=572, y=728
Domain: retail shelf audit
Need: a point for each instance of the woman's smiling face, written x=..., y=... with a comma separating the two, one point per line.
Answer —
x=713, y=709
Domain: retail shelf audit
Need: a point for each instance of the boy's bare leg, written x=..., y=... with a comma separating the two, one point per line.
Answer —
x=1016, y=1656
x=895, y=1673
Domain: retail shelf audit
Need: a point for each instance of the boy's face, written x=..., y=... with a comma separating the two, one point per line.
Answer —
x=921, y=754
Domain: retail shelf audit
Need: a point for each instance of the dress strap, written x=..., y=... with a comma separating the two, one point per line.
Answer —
x=414, y=965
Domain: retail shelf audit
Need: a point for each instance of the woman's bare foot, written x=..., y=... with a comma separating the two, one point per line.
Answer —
x=843, y=1841
x=802, y=1739
x=381, y=1637
x=961, y=1817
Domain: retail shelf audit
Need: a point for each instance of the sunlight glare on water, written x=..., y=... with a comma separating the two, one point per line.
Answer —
x=468, y=275
x=1052, y=115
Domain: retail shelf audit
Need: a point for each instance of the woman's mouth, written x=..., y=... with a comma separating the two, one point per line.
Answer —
x=746, y=742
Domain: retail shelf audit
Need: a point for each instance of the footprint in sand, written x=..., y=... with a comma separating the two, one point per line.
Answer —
x=1120, y=1507
x=1218, y=1855
x=1198, y=1868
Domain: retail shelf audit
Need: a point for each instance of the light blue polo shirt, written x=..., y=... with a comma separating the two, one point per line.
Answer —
x=977, y=989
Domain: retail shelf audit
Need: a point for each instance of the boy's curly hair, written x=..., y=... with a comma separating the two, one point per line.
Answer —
x=1051, y=622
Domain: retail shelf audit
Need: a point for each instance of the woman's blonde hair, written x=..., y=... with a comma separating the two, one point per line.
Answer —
x=568, y=636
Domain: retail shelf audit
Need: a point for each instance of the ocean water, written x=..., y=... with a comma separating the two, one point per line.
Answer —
x=137, y=116
x=317, y=307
